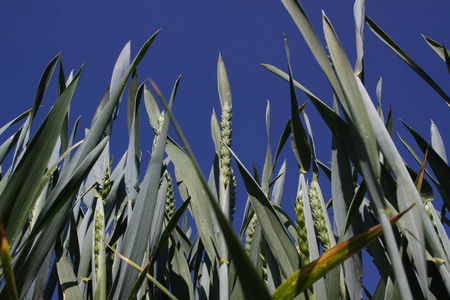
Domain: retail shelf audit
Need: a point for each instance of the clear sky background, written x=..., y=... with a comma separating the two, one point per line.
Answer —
x=247, y=33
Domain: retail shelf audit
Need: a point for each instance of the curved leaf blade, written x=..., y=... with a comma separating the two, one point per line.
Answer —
x=397, y=50
x=275, y=234
x=307, y=275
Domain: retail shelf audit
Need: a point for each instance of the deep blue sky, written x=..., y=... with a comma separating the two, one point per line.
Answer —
x=246, y=33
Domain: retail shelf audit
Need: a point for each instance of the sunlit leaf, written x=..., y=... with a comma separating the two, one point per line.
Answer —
x=307, y=275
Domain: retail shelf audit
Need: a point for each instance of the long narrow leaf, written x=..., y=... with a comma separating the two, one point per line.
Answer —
x=246, y=272
x=18, y=196
x=300, y=143
x=31, y=257
x=7, y=269
x=138, y=283
x=440, y=168
x=98, y=127
x=305, y=276
x=140, y=270
x=68, y=280
x=304, y=25
x=397, y=50
x=275, y=234
x=146, y=207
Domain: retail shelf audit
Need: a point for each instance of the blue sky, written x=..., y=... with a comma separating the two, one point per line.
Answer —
x=247, y=33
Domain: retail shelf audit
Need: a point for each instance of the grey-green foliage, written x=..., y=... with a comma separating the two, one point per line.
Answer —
x=114, y=231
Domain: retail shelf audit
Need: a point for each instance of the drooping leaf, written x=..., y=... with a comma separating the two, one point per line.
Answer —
x=440, y=168
x=397, y=50
x=7, y=146
x=15, y=120
x=334, y=122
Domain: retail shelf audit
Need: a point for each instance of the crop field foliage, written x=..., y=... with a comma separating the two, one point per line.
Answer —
x=76, y=224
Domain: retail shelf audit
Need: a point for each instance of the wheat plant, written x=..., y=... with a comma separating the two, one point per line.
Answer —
x=76, y=224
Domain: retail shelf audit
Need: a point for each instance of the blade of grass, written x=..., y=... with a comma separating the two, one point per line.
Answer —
x=439, y=49
x=140, y=270
x=334, y=121
x=362, y=131
x=268, y=167
x=170, y=227
x=437, y=142
x=98, y=127
x=59, y=205
x=40, y=91
x=181, y=283
x=304, y=25
x=18, y=196
x=68, y=280
x=438, y=165
x=305, y=276
x=137, y=285
x=15, y=120
x=246, y=272
x=397, y=50
x=145, y=211
x=300, y=144
x=406, y=194
x=133, y=151
x=313, y=245
x=275, y=234
x=120, y=70
x=359, y=11
x=358, y=113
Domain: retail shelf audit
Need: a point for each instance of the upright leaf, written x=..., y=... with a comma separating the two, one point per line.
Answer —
x=275, y=234
x=18, y=196
x=138, y=231
x=300, y=143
